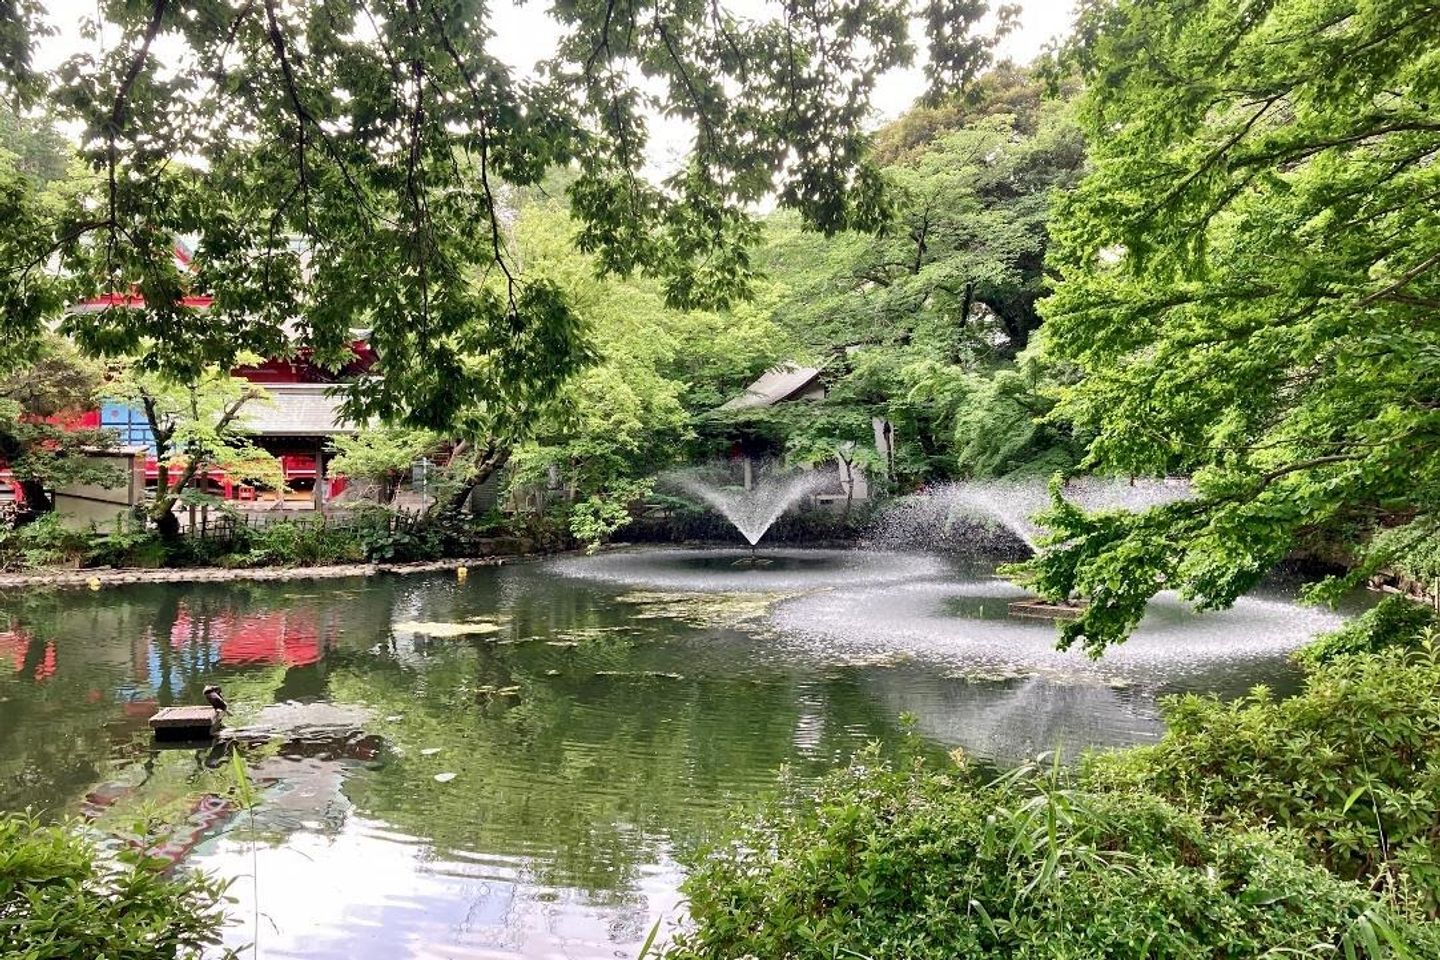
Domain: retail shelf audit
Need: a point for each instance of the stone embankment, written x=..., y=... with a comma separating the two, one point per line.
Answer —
x=1388, y=581
x=111, y=577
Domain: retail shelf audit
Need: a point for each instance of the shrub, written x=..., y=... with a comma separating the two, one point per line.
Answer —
x=1393, y=622
x=599, y=516
x=45, y=542
x=886, y=862
x=293, y=543
x=60, y=897
x=1351, y=764
x=126, y=544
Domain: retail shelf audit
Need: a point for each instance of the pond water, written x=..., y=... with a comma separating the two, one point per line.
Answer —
x=513, y=764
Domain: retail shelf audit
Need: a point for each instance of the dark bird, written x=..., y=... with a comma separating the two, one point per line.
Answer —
x=212, y=696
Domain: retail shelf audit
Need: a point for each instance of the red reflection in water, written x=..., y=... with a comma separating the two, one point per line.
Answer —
x=288, y=637
x=13, y=644
x=207, y=813
x=139, y=709
x=46, y=669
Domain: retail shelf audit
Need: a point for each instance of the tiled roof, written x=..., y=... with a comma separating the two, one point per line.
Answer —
x=297, y=410
x=774, y=386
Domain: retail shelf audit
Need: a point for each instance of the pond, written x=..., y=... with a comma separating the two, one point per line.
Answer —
x=514, y=763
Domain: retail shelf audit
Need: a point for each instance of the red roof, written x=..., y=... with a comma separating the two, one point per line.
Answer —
x=108, y=301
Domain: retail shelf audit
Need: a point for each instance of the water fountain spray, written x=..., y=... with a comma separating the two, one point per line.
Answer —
x=928, y=520
x=754, y=511
x=952, y=514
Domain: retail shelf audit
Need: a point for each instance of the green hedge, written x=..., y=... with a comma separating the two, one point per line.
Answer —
x=61, y=898
x=368, y=534
x=903, y=862
x=1351, y=764
x=1393, y=622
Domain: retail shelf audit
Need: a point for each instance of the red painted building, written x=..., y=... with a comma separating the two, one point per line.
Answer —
x=296, y=426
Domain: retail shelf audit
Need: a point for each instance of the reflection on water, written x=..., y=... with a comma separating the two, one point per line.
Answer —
x=512, y=765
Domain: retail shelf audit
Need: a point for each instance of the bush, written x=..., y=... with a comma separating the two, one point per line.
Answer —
x=1351, y=765
x=126, y=544
x=45, y=542
x=60, y=897
x=1393, y=622
x=368, y=534
x=304, y=543
x=599, y=516
x=886, y=862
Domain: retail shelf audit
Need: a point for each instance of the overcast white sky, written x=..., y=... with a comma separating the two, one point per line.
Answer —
x=525, y=34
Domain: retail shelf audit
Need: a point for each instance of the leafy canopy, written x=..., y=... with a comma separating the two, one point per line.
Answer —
x=40, y=443
x=346, y=165
x=657, y=372
x=958, y=268
x=1249, y=278
x=921, y=324
x=196, y=425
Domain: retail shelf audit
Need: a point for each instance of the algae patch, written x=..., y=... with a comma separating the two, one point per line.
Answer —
x=701, y=609
x=442, y=629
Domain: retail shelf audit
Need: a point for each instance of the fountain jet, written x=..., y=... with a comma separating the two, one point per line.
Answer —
x=755, y=510
x=927, y=519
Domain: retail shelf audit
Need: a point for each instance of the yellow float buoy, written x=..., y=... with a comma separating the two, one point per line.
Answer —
x=461, y=573
x=93, y=583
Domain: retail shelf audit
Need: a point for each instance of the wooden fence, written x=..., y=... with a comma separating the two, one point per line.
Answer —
x=206, y=523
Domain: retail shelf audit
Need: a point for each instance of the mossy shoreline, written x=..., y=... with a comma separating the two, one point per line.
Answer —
x=95, y=578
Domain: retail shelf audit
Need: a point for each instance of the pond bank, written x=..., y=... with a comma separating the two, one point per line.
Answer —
x=114, y=577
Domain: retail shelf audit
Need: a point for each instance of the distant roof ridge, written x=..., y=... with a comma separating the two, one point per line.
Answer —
x=777, y=384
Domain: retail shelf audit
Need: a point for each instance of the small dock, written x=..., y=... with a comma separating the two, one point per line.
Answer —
x=185, y=723
x=1045, y=610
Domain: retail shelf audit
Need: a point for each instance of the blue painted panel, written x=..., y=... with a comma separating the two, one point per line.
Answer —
x=129, y=425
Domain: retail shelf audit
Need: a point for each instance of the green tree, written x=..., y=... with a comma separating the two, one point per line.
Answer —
x=39, y=443
x=40, y=152
x=1249, y=277
x=348, y=164
x=657, y=370
x=197, y=425
x=959, y=267
x=27, y=214
x=831, y=430
x=383, y=456
x=913, y=324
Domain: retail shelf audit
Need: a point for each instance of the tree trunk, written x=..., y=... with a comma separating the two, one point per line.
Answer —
x=167, y=524
x=493, y=460
x=162, y=511
x=957, y=353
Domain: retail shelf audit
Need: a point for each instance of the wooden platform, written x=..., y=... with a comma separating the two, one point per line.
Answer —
x=174, y=723
x=1045, y=610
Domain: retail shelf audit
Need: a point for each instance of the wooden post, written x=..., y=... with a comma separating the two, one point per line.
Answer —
x=320, y=476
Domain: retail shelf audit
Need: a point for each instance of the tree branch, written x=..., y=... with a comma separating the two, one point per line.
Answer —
x=1403, y=281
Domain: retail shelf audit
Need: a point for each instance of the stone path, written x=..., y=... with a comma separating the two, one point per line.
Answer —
x=111, y=577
